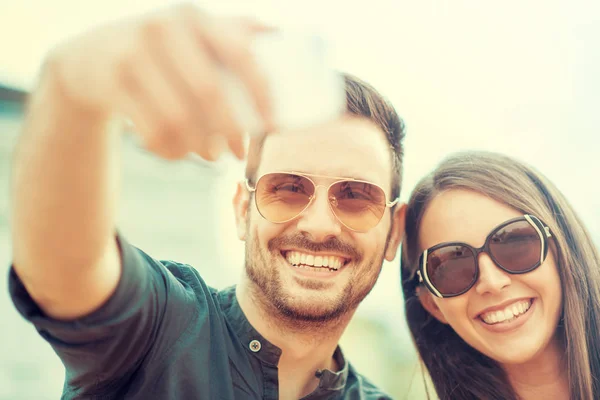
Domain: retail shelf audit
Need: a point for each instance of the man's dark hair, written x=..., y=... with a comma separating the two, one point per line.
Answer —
x=364, y=101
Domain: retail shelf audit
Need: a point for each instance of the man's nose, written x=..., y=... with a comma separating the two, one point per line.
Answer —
x=318, y=221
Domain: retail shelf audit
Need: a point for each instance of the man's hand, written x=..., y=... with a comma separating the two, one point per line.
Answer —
x=162, y=70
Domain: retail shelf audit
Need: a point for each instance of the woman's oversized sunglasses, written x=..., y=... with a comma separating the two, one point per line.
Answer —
x=517, y=246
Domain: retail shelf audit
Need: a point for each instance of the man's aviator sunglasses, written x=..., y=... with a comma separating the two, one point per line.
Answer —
x=282, y=196
x=517, y=246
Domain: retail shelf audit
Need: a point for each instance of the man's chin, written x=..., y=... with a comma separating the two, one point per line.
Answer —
x=310, y=305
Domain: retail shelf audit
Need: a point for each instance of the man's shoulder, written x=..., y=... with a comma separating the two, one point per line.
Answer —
x=187, y=275
x=180, y=278
x=167, y=270
x=361, y=387
x=181, y=271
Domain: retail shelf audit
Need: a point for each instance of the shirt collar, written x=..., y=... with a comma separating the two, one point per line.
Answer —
x=269, y=354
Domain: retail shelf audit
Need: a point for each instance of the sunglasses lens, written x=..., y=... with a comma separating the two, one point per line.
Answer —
x=359, y=205
x=517, y=247
x=451, y=269
x=282, y=197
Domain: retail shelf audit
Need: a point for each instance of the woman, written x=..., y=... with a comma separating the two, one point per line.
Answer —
x=501, y=283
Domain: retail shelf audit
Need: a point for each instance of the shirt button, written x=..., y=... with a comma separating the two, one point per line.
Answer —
x=255, y=346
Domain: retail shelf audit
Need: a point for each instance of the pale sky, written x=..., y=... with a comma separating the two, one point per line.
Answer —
x=519, y=77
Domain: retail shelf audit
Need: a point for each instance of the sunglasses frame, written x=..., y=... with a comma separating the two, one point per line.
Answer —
x=337, y=179
x=532, y=220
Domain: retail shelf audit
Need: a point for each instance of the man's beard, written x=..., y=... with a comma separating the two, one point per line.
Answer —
x=263, y=269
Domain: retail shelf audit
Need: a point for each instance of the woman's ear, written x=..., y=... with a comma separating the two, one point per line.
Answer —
x=428, y=303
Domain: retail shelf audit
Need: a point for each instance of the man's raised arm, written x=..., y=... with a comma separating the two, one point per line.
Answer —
x=161, y=71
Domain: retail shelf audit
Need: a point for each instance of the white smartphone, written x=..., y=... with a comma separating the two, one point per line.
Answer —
x=304, y=89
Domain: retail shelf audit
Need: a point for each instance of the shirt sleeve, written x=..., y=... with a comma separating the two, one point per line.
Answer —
x=150, y=308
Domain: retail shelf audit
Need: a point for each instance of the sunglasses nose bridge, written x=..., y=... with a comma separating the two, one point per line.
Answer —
x=318, y=219
x=313, y=197
x=331, y=199
x=316, y=189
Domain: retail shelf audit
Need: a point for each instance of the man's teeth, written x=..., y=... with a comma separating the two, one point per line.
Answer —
x=309, y=261
x=508, y=314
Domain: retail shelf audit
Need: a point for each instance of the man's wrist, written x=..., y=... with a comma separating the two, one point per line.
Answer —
x=51, y=96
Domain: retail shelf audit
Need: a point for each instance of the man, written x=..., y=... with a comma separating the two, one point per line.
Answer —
x=128, y=326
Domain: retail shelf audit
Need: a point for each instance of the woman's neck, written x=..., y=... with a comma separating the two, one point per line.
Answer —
x=543, y=377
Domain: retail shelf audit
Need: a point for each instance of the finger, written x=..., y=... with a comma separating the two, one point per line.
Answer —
x=160, y=111
x=139, y=120
x=237, y=146
x=209, y=145
x=212, y=147
x=197, y=78
x=192, y=71
x=204, y=147
x=144, y=122
x=231, y=46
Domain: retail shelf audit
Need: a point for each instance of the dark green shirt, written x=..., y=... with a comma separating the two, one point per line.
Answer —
x=164, y=334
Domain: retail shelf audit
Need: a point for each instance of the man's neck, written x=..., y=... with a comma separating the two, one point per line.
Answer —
x=544, y=377
x=305, y=348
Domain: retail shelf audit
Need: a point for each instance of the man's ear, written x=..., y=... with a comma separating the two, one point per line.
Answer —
x=428, y=303
x=241, y=201
x=397, y=232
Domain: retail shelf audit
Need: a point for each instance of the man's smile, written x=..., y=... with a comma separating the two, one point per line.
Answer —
x=317, y=264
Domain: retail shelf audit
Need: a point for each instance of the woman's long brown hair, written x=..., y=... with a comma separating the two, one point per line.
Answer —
x=457, y=370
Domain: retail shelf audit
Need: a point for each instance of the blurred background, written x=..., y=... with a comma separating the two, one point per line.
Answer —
x=515, y=77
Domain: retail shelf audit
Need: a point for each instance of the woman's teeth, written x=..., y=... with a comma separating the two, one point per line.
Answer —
x=312, y=262
x=510, y=313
